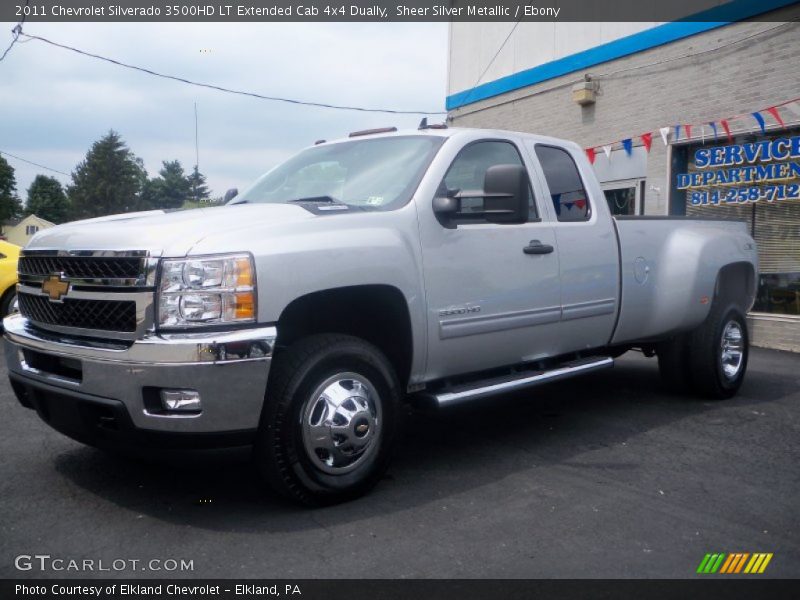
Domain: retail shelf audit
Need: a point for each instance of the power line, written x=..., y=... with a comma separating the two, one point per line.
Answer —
x=16, y=31
x=30, y=162
x=228, y=90
x=491, y=62
x=694, y=54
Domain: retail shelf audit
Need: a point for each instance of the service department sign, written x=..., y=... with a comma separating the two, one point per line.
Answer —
x=767, y=170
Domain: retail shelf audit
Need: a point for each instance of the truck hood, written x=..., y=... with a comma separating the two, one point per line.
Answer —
x=165, y=234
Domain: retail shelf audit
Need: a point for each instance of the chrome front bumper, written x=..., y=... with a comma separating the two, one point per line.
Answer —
x=228, y=369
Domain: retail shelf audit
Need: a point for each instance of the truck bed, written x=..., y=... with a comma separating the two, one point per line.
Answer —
x=668, y=271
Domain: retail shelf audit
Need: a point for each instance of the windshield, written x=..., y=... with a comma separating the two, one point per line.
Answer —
x=377, y=174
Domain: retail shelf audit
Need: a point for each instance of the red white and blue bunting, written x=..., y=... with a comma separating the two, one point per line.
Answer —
x=763, y=119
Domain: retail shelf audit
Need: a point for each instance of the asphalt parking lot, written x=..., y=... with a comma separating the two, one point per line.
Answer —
x=606, y=476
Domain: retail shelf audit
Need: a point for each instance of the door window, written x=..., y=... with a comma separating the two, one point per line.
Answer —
x=570, y=200
x=469, y=168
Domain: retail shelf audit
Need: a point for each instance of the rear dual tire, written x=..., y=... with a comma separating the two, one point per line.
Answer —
x=710, y=361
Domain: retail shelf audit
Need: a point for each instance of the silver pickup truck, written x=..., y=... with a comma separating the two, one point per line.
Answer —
x=435, y=265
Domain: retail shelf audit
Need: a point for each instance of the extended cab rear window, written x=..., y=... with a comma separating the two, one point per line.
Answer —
x=570, y=200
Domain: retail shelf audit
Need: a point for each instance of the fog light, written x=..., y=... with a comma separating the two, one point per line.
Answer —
x=181, y=400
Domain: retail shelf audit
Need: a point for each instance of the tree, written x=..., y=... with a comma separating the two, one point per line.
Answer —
x=199, y=189
x=171, y=189
x=10, y=205
x=150, y=194
x=108, y=181
x=46, y=199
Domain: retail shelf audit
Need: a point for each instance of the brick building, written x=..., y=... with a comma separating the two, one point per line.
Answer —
x=600, y=83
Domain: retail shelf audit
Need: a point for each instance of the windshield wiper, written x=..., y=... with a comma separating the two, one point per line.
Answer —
x=327, y=199
x=330, y=203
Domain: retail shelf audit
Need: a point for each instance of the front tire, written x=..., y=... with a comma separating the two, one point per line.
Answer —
x=718, y=352
x=330, y=419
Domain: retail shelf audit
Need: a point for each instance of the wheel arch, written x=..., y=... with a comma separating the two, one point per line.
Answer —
x=377, y=313
x=6, y=294
x=736, y=282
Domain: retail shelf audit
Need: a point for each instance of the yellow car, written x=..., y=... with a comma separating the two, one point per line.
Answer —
x=9, y=255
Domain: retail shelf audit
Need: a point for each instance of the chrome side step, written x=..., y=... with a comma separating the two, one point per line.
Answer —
x=506, y=384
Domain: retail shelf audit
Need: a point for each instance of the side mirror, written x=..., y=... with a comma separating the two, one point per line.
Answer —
x=230, y=195
x=504, y=194
x=446, y=205
x=505, y=189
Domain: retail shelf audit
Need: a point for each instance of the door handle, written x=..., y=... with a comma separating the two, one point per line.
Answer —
x=537, y=247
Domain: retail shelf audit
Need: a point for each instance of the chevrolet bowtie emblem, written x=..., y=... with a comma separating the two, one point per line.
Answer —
x=55, y=287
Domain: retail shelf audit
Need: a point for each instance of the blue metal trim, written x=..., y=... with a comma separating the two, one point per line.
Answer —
x=733, y=11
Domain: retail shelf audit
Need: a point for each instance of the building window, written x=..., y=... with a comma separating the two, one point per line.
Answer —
x=625, y=197
x=31, y=229
x=566, y=187
x=621, y=201
x=743, y=181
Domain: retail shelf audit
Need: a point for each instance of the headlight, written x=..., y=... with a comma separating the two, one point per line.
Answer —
x=207, y=290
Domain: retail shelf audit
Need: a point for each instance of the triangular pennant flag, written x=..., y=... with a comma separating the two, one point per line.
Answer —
x=590, y=154
x=757, y=116
x=627, y=143
x=607, y=150
x=569, y=205
x=664, y=131
x=773, y=110
x=727, y=129
x=580, y=204
x=688, y=131
x=677, y=132
x=714, y=129
x=647, y=140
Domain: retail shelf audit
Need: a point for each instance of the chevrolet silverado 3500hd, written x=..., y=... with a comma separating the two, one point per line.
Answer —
x=442, y=265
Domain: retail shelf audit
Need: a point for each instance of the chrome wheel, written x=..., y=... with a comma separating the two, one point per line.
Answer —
x=732, y=349
x=341, y=423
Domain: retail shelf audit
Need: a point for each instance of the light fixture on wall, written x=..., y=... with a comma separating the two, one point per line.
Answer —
x=657, y=191
x=585, y=92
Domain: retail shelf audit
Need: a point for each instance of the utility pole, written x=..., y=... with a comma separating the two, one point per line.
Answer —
x=196, y=156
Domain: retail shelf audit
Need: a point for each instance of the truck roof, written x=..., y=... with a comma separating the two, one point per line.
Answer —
x=457, y=132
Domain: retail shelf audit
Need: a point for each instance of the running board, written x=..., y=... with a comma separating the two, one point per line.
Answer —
x=511, y=383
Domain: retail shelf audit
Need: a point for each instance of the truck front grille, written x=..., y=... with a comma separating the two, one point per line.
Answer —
x=93, y=293
x=104, y=315
x=83, y=267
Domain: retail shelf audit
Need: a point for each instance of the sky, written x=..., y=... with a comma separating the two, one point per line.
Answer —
x=55, y=103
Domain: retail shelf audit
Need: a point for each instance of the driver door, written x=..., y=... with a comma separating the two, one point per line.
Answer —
x=490, y=301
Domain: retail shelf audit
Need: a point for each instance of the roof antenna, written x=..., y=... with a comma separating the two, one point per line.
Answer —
x=423, y=124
